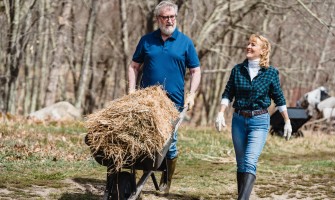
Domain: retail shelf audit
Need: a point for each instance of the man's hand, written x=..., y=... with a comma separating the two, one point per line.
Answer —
x=220, y=122
x=189, y=101
x=287, y=129
x=131, y=90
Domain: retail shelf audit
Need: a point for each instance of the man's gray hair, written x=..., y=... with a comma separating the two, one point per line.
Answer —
x=164, y=4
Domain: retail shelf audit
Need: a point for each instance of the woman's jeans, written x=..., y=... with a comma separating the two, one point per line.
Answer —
x=249, y=137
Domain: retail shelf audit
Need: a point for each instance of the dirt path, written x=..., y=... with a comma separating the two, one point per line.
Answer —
x=75, y=190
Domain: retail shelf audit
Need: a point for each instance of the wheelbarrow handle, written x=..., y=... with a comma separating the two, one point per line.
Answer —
x=180, y=119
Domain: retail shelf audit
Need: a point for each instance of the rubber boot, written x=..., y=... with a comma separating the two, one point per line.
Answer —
x=239, y=177
x=165, y=187
x=247, y=185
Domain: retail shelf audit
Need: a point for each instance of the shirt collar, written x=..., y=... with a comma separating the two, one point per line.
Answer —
x=245, y=65
x=175, y=34
x=253, y=63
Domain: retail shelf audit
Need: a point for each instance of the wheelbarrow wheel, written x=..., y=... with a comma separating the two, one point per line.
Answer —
x=122, y=186
x=109, y=186
x=300, y=133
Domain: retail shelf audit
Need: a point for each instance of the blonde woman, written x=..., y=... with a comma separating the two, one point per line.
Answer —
x=251, y=85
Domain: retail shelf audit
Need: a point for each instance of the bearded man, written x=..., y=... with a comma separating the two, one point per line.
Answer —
x=163, y=57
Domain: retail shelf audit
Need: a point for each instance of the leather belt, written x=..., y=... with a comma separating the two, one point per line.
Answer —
x=250, y=113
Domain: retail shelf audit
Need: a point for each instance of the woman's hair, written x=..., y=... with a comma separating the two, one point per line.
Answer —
x=164, y=4
x=266, y=48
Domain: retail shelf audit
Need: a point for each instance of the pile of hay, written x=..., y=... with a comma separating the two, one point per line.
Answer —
x=132, y=126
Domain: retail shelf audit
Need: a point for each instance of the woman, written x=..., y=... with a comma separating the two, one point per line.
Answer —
x=252, y=84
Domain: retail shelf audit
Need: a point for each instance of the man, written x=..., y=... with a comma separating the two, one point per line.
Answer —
x=163, y=57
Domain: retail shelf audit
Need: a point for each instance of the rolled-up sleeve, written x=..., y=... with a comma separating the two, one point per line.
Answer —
x=229, y=92
x=276, y=92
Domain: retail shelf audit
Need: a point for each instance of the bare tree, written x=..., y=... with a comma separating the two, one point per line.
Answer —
x=13, y=53
x=59, y=55
x=124, y=35
x=86, y=59
x=71, y=50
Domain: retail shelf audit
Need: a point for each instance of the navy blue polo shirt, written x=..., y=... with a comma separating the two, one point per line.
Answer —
x=165, y=63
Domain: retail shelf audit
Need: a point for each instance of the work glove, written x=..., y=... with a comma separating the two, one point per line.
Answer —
x=287, y=129
x=189, y=101
x=130, y=91
x=220, y=122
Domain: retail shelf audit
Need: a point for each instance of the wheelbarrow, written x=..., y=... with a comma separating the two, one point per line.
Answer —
x=298, y=117
x=123, y=185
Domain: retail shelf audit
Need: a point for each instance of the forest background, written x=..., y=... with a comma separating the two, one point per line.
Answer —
x=79, y=50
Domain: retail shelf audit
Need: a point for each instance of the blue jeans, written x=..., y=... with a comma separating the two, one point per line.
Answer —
x=249, y=137
x=173, y=151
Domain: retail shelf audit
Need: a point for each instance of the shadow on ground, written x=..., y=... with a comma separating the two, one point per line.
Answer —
x=174, y=196
x=90, y=189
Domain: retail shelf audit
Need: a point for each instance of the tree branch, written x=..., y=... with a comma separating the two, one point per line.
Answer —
x=316, y=17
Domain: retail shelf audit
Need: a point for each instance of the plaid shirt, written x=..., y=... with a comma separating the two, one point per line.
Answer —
x=255, y=94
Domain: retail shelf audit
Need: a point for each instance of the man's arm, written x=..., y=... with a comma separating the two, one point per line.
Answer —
x=195, y=79
x=133, y=71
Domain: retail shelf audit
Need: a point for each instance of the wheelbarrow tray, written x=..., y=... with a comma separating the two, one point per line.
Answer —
x=143, y=162
x=123, y=185
x=298, y=118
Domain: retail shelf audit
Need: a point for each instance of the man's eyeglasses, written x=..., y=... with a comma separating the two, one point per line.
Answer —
x=172, y=17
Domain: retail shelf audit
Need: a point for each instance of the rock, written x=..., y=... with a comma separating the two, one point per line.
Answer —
x=59, y=111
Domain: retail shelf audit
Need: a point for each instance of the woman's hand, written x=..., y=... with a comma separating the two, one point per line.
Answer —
x=220, y=121
x=287, y=129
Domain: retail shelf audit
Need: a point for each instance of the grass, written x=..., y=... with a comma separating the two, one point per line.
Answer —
x=51, y=161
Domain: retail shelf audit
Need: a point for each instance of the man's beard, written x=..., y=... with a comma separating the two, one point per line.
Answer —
x=167, y=30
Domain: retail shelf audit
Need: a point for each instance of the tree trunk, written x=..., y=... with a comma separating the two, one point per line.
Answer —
x=59, y=57
x=86, y=59
x=316, y=80
x=26, y=93
x=37, y=65
x=13, y=54
x=124, y=38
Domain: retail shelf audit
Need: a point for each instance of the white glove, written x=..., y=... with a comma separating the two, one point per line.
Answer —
x=131, y=90
x=287, y=129
x=220, y=122
x=189, y=101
